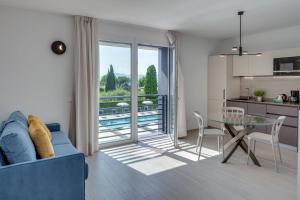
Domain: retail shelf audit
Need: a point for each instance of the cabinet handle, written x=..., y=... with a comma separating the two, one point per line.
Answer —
x=224, y=94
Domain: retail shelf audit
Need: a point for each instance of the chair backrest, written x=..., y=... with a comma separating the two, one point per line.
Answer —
x=276, y=127
x=200, y=122
x=234, y=111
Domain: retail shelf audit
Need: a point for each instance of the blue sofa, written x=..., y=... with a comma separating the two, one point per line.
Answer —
x=59, y=178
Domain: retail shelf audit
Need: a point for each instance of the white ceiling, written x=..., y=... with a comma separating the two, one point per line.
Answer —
x=208, y=18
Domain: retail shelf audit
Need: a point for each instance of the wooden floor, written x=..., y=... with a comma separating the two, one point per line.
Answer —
x=154, y=170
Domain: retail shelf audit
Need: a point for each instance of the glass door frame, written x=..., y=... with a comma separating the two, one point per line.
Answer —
x=173, y=136
x=134, y=89
x=133, y=93
x=156, y=47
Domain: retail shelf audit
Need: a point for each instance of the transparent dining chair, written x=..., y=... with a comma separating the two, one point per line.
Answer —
x=219, y=133
x=235, y=112
x=272, y=139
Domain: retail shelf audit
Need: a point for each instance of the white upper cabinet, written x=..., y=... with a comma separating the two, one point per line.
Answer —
x=240, y=65
x=251, y=65
x=261, y=65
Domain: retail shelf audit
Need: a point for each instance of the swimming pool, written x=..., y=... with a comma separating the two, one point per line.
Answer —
x=126, y=121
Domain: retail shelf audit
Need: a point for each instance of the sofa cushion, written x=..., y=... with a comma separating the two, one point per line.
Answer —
x=19, y=117
x=53, y=127
x=2, y=158
x=68, y=149
x=59, y=137
x=16, y=143
x=32, y=118
x=64, y=149
x=40, y=139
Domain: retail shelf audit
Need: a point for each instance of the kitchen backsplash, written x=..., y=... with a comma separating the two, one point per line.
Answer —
x=272, y=85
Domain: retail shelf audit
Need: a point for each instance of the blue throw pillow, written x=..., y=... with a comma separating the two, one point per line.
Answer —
x=18, y=116
x=16, y=143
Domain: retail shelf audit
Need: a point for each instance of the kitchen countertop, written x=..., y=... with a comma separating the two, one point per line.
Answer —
x=268, y=101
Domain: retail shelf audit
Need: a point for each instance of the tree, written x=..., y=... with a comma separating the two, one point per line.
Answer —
x=142, y=81
x=123, y=82
x=151, y=81
x=103, y=80
x=111, y=80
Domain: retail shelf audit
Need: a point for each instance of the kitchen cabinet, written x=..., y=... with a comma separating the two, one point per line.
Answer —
x=216, y=77
x=257, y=109
x=221, y=84
x=289, y=121
x=282, y=110
x=261, y=65
x=287, y=135
x=252, y=65
x=240, y=65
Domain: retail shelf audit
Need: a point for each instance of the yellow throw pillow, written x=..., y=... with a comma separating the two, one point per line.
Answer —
x=34, y=118
x=40, y=140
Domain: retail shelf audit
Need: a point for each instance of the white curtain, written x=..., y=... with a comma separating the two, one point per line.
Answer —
x=181, y=113
x=85, y=110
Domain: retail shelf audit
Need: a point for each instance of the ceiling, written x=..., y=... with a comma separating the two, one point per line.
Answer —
x=214, y=19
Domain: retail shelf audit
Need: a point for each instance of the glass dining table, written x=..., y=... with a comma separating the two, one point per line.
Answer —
x=238, y=126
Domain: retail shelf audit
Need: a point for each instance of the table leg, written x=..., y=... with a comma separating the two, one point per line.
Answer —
x=232, y=151
x=240, y=142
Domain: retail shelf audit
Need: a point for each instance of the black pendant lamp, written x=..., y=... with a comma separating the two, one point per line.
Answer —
x=240, y=50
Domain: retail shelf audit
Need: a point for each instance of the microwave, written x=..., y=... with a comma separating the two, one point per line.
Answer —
x=287, y=66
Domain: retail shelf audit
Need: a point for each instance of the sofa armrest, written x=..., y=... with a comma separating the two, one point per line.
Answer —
x=53, y=127
x=53, y=178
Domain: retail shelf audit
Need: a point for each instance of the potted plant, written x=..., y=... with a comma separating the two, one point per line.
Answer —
x=259, y=94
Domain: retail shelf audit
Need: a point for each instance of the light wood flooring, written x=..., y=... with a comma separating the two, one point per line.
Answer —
x=154, y=170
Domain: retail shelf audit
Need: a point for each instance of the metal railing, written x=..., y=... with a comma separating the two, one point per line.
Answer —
x=115, y=116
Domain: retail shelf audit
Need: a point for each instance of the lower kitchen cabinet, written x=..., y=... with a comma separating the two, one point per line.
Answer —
x=257, y=109
x=288, y=135
x=289, y=121
x=283, y=110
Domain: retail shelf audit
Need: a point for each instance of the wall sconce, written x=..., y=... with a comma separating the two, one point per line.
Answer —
x=58, y=47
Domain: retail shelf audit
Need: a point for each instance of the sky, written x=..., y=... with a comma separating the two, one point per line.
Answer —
x=119, y=57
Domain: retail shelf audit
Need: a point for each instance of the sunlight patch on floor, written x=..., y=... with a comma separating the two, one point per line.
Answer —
x=141, y=158
x=191, y=154
x=146, y=159
x=149, y=157
x=188, y=155
x=156, y=165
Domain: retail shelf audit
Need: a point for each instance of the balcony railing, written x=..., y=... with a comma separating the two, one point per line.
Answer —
x=115, y=117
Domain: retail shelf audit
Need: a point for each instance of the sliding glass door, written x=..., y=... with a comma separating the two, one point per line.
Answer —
x=137, y=92
x=115, y=92
x=152, y=91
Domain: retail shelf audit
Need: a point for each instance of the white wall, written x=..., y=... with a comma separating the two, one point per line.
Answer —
x=194, y=61
x=32, y=78
x=121, y=32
